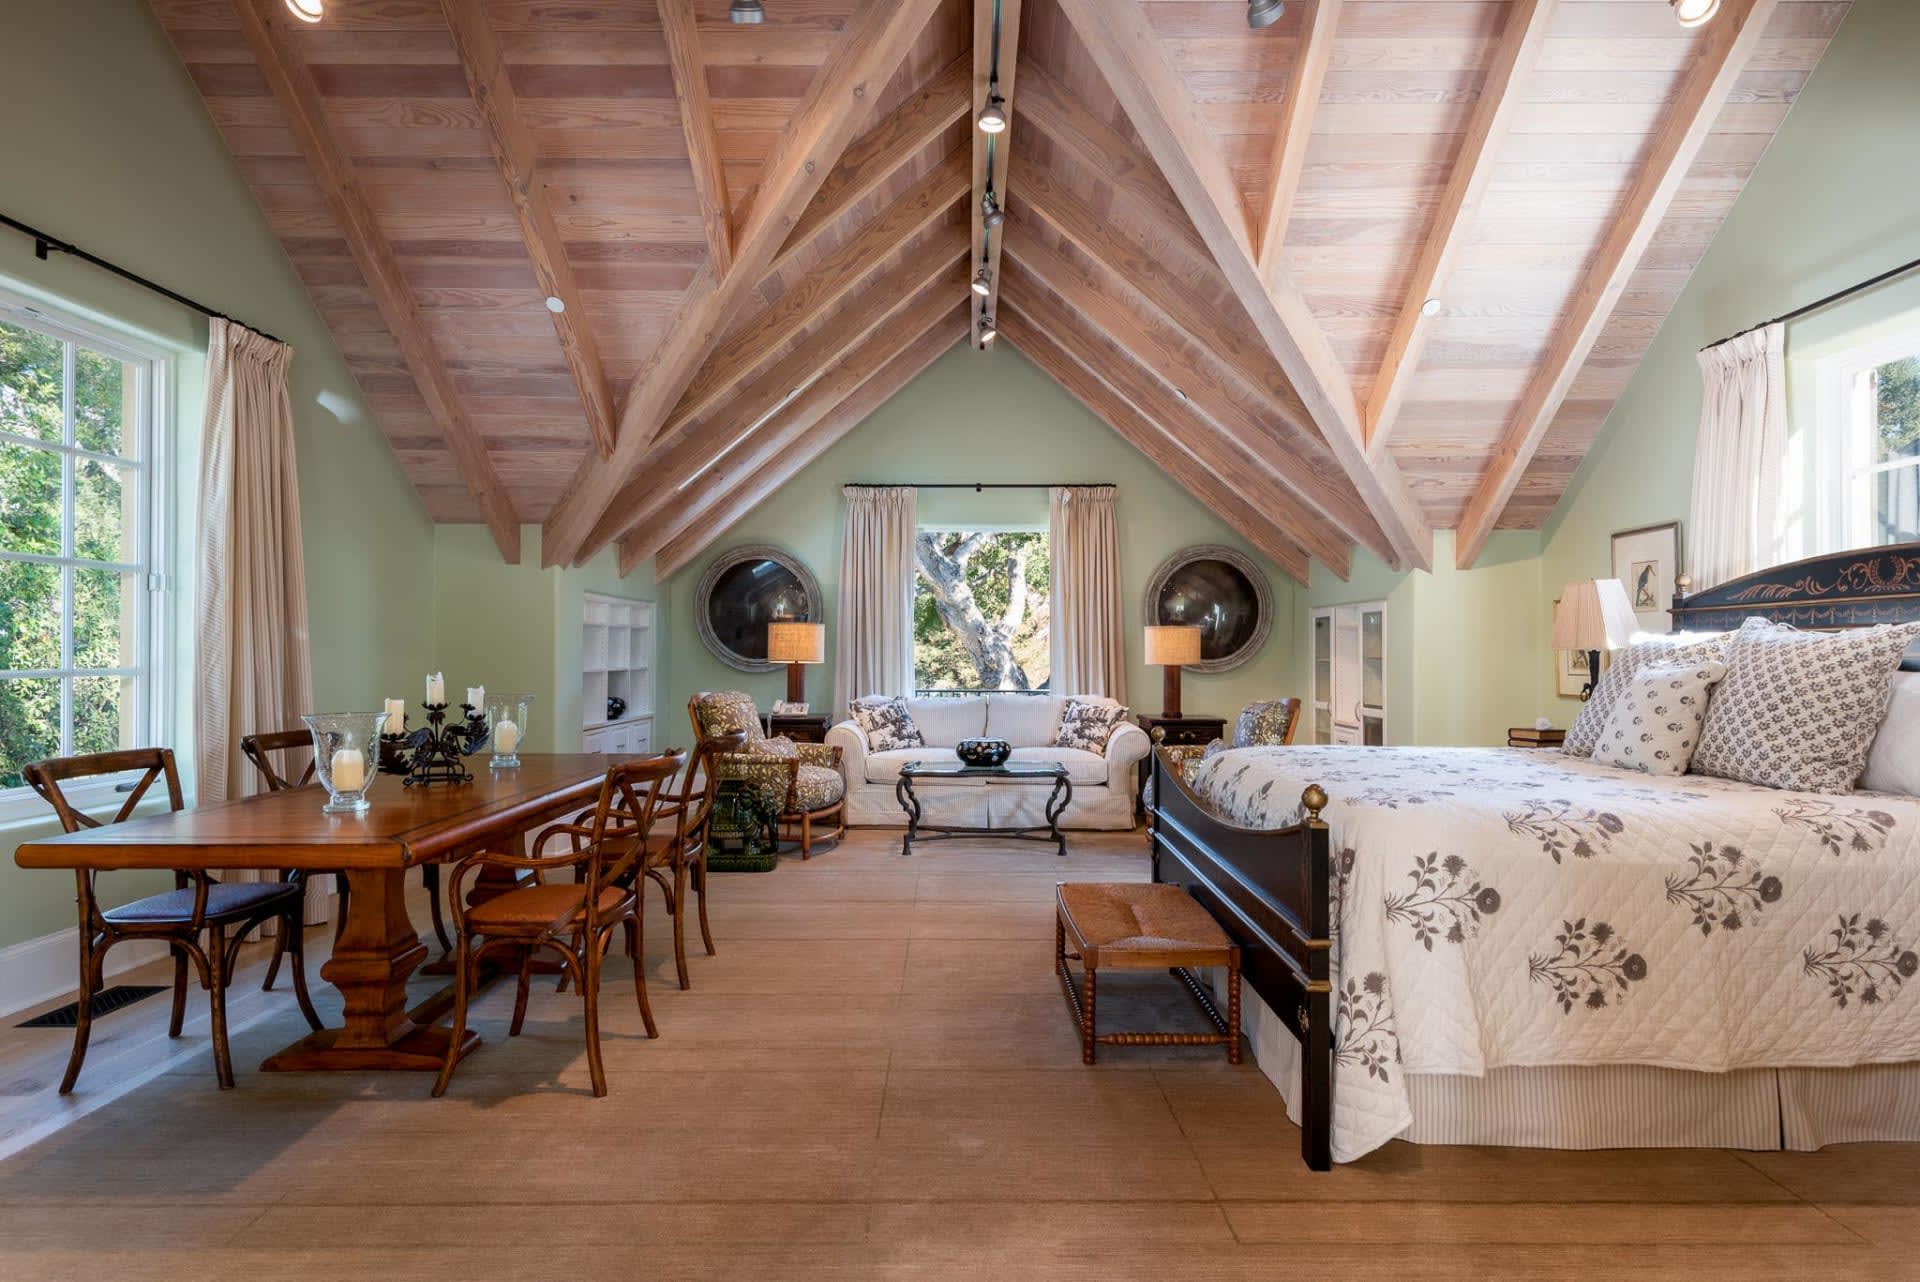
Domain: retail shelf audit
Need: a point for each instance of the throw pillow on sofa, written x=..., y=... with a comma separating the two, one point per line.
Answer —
x=886, y=723
x=1087, y=725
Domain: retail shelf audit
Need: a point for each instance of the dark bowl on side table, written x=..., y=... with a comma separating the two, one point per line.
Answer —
x=983, y=752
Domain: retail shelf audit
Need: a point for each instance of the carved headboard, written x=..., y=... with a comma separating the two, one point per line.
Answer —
x=1844, y=590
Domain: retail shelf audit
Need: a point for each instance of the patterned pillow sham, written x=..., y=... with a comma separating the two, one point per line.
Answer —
x=1087, y=725
x=1682, y=649
x=886, y=723
x=1800, y=709
x=1656, y=721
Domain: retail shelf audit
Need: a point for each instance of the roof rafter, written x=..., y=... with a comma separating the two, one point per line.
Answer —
x=996, y=59
x=293, y=88
x=833, y=111
x=682, y=37
x=1296, y=128
x=1513, y=58
x=1725, y=45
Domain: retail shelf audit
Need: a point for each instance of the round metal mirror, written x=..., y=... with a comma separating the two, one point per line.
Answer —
x=744, y=591
x=1221, y=591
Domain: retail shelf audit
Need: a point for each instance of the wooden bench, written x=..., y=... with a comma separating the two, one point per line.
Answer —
x=1143, y=926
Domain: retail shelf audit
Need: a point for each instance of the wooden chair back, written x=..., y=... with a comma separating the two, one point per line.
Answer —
x=627, y=808
x=259, y=749
x=46, y=778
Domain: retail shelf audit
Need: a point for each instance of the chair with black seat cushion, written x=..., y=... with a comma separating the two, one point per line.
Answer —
x=225, y=911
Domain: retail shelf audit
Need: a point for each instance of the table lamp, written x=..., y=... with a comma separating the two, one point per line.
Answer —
x=1171, y=646
x=1593, y=615
x=794, y=644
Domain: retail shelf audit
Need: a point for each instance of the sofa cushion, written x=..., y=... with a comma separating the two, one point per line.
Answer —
x=884, y=767
x=886, y=723
x=1084, y=769
x=1088, y=723
x=945, y=722
x=1023, y=720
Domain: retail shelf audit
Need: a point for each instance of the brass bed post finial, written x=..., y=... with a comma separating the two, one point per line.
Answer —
x=1315, y=800
x=1158, y=734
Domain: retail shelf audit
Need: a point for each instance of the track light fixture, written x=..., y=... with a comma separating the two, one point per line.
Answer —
x=306, y=10
x=993, y=116
x=1694, y=13
x=1264, y=13
x=990, y=212
x=746, y=12
x=983, y=283
x=987, y=332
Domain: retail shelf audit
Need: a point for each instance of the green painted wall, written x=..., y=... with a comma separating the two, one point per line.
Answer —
x=986, y=416
x=107, y=145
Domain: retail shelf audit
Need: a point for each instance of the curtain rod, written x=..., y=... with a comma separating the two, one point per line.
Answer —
x=1828, y=301
x=45, y=243
x=973, y=485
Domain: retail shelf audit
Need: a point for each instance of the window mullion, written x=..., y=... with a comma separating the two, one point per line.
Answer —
x=67, y=506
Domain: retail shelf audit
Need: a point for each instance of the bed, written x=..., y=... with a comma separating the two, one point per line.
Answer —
x=1510, y=946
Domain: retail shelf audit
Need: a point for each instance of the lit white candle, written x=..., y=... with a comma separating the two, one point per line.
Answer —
x=349, y=770
x=506, y=737
x=477, y=697
x=396, y=716
x=436, y=688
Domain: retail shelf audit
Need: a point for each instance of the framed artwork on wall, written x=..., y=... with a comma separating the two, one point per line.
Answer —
x=1647, y=560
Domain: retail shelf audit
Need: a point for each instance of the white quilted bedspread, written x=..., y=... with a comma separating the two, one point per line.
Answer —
x=1513, y=907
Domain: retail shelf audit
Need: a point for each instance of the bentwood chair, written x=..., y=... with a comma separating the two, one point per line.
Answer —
x=574, y=919
x=226, y=911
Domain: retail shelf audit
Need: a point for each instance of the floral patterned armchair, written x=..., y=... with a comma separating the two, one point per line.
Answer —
x=1268, y=723
x=802, y=779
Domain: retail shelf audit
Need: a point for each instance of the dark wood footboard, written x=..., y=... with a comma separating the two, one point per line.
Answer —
x=1271, y=890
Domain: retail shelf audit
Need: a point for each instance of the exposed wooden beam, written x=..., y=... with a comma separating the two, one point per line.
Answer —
x=682, y=36
x=1296, y=127
x=1725, y=45
x=833, y=112
x=293, y=88
x=1233, y=465
x=996, y=59
x=1513, y=58
x=1201, y=386
x=1168, y=450
x=1136, y=67
x=657, y=485
x=815, y=423
x=878, y=154
x=513, y=152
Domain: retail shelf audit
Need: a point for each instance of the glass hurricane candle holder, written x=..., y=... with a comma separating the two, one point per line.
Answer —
x=346, y=756
x=507, y=719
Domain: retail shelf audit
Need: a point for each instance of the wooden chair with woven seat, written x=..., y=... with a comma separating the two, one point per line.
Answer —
x=574, y=919
x=226, y=911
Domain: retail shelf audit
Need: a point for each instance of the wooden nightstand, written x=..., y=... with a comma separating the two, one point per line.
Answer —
x=810, y=728
x=1528, y=737
x=1180, y=730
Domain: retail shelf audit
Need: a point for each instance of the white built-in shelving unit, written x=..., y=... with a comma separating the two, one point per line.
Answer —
x=616, y=660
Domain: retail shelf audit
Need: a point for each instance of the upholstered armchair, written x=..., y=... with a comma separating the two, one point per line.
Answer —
x=802, y=779
x=1268, y=723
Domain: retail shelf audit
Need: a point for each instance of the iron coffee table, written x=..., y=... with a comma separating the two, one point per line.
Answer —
x=917, y=830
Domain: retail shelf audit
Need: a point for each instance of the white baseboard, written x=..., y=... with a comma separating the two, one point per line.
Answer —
x=39, y=970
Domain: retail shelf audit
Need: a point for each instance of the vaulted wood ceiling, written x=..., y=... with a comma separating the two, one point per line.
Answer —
x=1221, y=240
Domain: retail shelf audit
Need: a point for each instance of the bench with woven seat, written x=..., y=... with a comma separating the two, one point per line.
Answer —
x=1142, y=926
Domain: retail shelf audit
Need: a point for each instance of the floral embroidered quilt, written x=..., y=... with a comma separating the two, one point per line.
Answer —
x=1513, y=907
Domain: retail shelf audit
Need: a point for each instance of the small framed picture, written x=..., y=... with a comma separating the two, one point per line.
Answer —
x=782, y=708
x=1647, y=560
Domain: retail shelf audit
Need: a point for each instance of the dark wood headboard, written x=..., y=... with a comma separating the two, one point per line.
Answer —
x=1844, y=590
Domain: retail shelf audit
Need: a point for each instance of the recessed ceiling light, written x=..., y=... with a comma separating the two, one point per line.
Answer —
x=305, y=10
x=1693, y=13
x=1264, y=13
x=993, y=116
x=556, y=304
x=1177, y=392
x=746, y=12
x=1432, y=307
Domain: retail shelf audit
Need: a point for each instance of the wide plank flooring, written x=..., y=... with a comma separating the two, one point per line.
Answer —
x=874, y=1078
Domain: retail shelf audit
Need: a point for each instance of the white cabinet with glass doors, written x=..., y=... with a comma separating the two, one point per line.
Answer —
x=1349, y=674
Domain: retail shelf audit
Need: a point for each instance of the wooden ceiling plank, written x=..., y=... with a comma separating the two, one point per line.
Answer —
x=293, y=88
x=867, y=379
x=1725, y=45
x=682, y=36
x=880, y=153
x=1196, y=385
x=1296, y=127
x=1117, y=35
x=996, y=59
x=833, y=112
x=478, y=48
x=938, y=265
x=1158, y=443
x=1514, y=57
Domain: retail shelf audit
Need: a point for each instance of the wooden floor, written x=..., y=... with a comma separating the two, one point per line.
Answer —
x=875, y=1078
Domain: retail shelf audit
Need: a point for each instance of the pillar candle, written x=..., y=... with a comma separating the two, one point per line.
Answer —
x=349, y=770
x=477, y=697
x=436, y=688
x=396, y=716
x=506, y=737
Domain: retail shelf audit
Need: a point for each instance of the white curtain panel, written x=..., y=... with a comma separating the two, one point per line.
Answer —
x=1733, y=518
x=252, y=667
x=873, y=634
x=1089, y=637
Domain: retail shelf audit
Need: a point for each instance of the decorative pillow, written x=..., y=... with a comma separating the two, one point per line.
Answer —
x=1799, y=709
x=1088, y=725
x=1682, y=649
x=1262, y=724
x=1656, y=721
x=886, y=723
x=1893, y=763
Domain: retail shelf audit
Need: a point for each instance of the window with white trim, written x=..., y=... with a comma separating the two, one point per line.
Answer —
x=1869, y=436
x=81, y=430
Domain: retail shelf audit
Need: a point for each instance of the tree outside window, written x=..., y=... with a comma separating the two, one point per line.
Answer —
x=980, y=611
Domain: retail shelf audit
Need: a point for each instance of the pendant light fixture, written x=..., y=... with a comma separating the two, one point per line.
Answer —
x=747, y=13
x=1264, y=13
x=1694, y=13
x=306, y=10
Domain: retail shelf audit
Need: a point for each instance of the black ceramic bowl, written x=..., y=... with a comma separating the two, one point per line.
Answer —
x=983, y=752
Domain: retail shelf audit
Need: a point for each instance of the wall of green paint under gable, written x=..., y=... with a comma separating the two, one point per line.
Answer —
x=987, y=416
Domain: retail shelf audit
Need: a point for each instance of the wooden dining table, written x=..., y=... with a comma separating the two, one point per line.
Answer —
x=377, y=948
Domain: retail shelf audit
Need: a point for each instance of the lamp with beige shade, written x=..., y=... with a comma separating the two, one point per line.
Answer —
x=794, y=644
x=1594, y=615
x=1170, y=647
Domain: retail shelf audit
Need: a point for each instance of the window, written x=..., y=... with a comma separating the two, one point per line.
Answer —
x=1870, y=443
x=980, y=609
x=79, y=432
